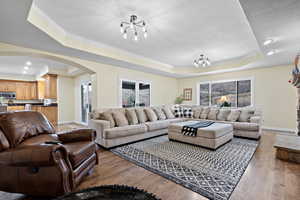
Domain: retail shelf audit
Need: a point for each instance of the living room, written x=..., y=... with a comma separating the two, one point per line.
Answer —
x=166, y=100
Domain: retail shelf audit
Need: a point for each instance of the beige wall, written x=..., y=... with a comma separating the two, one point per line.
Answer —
x=65, y=99
x=272, y=93
x=163, y=89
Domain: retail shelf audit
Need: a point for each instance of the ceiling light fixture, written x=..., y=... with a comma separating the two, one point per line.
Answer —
x=24, y=72
x=268, y=41
x=202, y=61
x=28, y=63
x=272, y=52
x=134, y=25
x=26, y=67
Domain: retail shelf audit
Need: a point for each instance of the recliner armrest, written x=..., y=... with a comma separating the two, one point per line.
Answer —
x=77, y=135
x=33, y=155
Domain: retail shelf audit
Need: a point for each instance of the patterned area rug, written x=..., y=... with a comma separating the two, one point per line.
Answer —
x=213, y=174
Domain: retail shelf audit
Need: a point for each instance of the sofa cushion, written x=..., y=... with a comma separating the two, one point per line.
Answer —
x=234, y=115
x=40, y=139
x=212, y=115
x=131, y=116
x=141, y=115
x=120, y=118
x=197, y=112
x=245, y=115
x=159, y=113
x=223, y=114
x=168, y=112
x=157, y=125
x=79, y=152
x=204, y=113
x=187, y=112
x=108, y=117
x=151, y=114
x=245, y=126
x=178, y=111
x=124, y=131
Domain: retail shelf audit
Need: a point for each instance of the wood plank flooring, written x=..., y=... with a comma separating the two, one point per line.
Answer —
x=266, y=177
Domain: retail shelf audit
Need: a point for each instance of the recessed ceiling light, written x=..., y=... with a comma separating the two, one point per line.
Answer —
x=28, y=63
x=268, y=41
x=24, y=72
x=26, y=67
x=272, y=52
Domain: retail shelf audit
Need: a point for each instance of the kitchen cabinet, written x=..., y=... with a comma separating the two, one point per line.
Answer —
x=50, y=112
x=50, y=86
x=7, y=86
x=41, y=89
x=26, y=90
x=15, y=108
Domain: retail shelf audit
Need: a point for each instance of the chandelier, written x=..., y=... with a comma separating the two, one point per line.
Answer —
x=133, y=26
x=202, y=61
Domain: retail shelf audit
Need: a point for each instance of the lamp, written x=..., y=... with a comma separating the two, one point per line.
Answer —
x=225, y=101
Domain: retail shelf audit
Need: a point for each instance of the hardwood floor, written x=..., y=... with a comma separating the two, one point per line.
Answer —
x=266, y=178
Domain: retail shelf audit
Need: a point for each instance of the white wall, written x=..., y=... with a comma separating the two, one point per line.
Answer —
x=66, y=99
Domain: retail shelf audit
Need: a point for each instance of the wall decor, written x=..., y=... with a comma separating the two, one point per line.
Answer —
x=187, y=94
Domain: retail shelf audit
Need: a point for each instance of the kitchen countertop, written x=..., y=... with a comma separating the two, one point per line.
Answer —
x=32, y=104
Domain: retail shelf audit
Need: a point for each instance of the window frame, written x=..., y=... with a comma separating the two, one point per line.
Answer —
x=252, y=79
x=137, y=89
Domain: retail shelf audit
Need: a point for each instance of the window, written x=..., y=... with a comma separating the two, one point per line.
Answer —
x=135, y=93
x=238, y=93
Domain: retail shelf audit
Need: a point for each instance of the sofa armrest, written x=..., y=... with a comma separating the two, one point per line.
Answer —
x=77, y=135
x=99, y=126
x=33, y=155
x=255, y=119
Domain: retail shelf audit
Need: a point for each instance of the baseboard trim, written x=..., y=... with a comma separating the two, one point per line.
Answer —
x=285, y=130
x=65, y=122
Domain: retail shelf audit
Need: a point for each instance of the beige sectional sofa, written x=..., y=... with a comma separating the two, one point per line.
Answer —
x=118, y=126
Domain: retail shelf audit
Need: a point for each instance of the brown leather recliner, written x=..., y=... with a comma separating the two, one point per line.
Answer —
x=31, y=164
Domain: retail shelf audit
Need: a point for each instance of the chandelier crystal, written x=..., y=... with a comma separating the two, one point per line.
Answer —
x=202, y=61
x=134, y=26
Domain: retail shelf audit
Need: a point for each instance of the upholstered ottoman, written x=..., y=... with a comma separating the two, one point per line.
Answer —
x=211, y=137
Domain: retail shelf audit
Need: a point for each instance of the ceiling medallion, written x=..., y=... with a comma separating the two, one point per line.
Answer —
x=133, y=26
x=202, y=61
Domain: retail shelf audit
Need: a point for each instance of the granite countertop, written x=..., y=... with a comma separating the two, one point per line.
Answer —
x=32, y=104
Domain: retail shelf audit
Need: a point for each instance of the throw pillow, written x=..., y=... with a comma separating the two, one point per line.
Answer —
x=223, y=114
x=168, y=113
x=187, y=112
x=245, y=115
x=141, y=115
x=108, y=117
x=120, y=118
x=234, y=115
x=178, y=112
x=197, y=112
x=151, y=114
x=131, y=116
x=204, y=113
x=160, y=114
x=212, y=115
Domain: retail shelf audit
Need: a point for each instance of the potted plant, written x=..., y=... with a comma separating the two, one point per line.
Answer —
x=179, y=99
